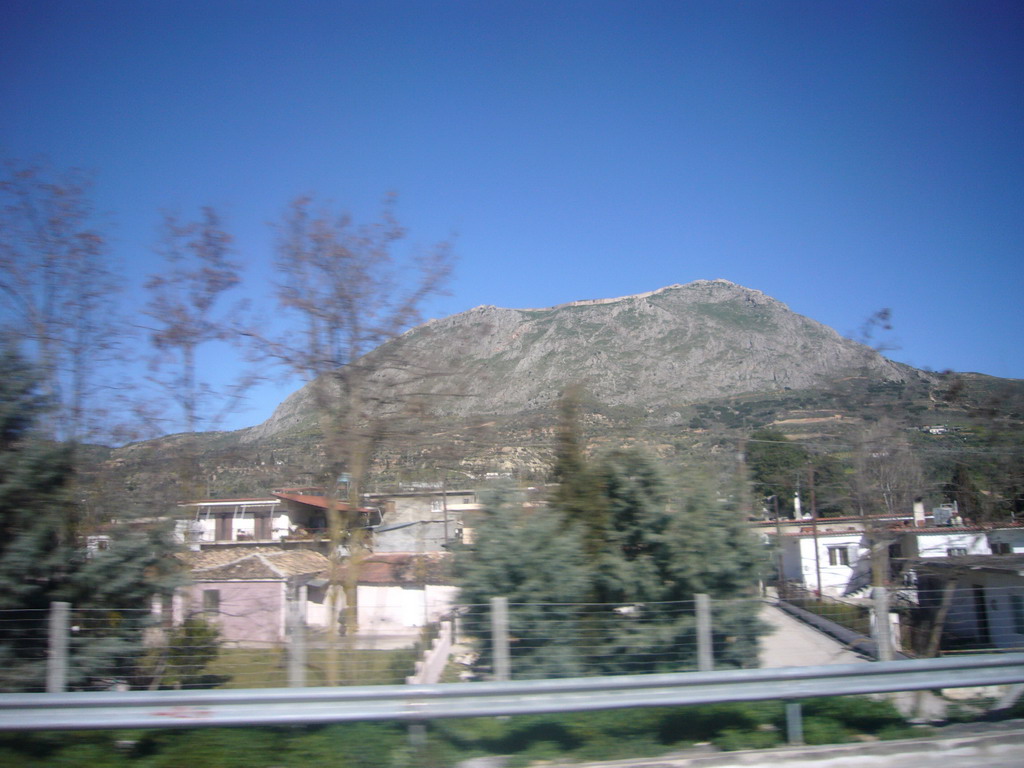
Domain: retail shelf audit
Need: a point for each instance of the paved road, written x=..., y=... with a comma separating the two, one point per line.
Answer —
x=792, y=643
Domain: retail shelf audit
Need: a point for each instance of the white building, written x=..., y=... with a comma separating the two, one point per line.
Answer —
x=222, y=520
x=831, y=562
x=399, y=593
x=833, y=556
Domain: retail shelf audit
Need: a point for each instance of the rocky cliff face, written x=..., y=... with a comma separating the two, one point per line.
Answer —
x=672, y=347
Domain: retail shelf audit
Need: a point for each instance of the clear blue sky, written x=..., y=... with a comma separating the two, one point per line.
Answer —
x=839, y=156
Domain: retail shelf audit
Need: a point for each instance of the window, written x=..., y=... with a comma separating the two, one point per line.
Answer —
x=1017, y=607
x=956, y=551
x=838, y=556
x=211, y=601
x=1001, y=548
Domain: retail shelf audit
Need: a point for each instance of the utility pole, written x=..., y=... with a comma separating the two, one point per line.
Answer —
x=779, y=554
x=814, y=527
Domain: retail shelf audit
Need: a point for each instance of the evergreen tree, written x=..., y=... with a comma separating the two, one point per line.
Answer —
x=34, y=526
x=535, y=560
x=578, y=493
x=665, y=545
x=628, y=605
x=43, y=557
x=962, y=489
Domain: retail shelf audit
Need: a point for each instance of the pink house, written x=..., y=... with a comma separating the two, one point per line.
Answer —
x=246, y=591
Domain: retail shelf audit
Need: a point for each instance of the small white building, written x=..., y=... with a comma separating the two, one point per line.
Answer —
x=830, y=562
x=399, y=593
x=246, y=592
x=842, y=557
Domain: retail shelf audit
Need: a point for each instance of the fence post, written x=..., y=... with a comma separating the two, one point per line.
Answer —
x=57, y=656
x=705, y=648
x=794, y=723
x=883, y=632
x=499, y=637
x=296, y=639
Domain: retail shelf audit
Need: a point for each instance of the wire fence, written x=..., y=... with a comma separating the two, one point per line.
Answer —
x=112, y=649
x=546, y=640
x=119, y=649
x=854, y=615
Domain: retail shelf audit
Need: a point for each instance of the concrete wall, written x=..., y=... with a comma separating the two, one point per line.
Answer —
x=428, y=536
x=1013, y=537
x=250, y=611
x=395, y=610
x=938, y=544
x=319, y=605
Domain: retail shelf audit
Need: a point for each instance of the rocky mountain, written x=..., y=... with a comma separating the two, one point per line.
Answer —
x=672, y=347
x=687, y=369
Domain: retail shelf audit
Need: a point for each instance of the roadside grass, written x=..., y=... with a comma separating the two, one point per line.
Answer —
x=525, y=740
x=268, y=667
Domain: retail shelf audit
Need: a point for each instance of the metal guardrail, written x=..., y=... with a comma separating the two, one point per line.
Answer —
x=290, y=706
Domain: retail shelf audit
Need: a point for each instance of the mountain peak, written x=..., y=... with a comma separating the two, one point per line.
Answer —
x=716, y=283
x=670, y=347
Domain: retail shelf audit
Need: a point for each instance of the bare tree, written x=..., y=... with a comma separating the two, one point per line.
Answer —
x=187, y=314
x=349, y=297
x=58, y=292
x=886, y=479
x=185, y=311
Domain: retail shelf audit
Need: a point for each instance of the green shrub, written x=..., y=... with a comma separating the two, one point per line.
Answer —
x=732, y=739
x=209, y=747
x=860, y=714
x=704, y=723
x=824, y=730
